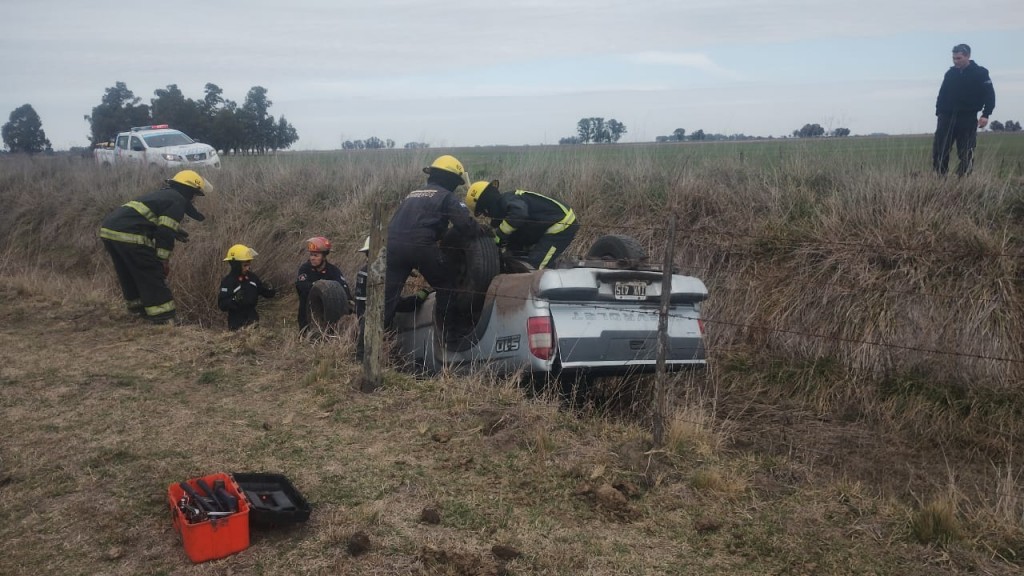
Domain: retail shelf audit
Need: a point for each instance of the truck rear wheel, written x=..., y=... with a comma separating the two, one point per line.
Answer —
x=327, y=303
x=617, y=247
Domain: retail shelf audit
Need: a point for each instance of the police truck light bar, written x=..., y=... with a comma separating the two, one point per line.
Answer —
x=153, y=127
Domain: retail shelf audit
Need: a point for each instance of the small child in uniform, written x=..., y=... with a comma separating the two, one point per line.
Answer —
x=241, y=288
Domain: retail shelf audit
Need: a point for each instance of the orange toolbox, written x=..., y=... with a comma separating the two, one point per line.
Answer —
x=216, y=534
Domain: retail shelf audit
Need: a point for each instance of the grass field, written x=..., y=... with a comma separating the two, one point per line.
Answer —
x=861, y=412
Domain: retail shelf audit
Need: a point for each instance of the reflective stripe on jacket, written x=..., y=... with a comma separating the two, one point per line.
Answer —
x=531, y=215
x=152, y=220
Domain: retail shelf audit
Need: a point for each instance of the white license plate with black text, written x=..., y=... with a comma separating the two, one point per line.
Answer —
x=630, y=290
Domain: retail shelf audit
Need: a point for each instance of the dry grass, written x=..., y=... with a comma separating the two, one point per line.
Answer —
x=825, y=411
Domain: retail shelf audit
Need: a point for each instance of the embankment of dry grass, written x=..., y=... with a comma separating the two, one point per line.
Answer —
x=861, y=411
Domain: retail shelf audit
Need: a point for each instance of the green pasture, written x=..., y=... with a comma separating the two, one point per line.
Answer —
x=999, y=154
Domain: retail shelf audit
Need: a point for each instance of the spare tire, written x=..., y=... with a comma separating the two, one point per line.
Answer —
x=617, y=247
x=474, y=263
x=327, y=303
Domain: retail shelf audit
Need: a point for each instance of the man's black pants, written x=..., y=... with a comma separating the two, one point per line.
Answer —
x=405, y=255
x=959, y=127
x=141, y=276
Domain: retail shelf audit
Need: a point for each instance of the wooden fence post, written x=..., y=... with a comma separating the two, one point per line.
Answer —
x=373, y=353
x=660, y=385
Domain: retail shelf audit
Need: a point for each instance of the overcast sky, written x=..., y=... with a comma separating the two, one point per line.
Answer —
x=478, y=72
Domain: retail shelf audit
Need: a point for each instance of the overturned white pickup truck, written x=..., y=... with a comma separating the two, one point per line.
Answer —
x=597, y=316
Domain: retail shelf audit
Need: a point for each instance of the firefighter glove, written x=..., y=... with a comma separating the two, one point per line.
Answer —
x=181, y=235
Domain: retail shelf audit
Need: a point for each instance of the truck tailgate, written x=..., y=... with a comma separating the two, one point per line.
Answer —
x=609, y=335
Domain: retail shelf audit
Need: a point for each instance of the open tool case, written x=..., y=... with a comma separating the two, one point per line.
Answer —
x=217, y=525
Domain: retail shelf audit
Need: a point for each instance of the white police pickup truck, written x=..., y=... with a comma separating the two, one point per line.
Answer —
x=598, y=316
x=157, y=146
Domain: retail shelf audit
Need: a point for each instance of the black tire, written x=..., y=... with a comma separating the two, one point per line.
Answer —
x=327, y=303
x=475, y=262
x=617, y=247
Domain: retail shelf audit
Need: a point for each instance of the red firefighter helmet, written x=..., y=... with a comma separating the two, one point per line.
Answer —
x=319, y=244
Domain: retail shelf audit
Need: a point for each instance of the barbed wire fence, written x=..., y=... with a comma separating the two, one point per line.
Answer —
x=718, y=345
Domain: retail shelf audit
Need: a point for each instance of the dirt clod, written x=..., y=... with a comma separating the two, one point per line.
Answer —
x=503, y=552
x=610, y=498
x=358, y=543
x=707, y=525
x=430, y=516
x=441, y=437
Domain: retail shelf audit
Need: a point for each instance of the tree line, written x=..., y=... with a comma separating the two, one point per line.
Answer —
x=249, y=129
x=596, y=130
x=214, y=119
x=1009, y=126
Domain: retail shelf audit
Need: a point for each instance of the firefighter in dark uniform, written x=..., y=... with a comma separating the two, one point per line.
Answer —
x=534, y=227
x=241, y=289
x=140, y=235
x=966, y=89
x=316, y=268
x=417, y=226
x=405, y=304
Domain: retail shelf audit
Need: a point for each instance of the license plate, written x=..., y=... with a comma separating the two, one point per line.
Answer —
x=630, y=290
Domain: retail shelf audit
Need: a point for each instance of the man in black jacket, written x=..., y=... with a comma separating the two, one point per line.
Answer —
x=534, y=227
x=419, y=223
x=405, y=304
x=140, y=235
x=966, y=89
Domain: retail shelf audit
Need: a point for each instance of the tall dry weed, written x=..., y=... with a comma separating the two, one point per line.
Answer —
x=807, y=256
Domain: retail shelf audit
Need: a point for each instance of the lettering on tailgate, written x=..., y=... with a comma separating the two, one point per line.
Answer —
x=613, y=316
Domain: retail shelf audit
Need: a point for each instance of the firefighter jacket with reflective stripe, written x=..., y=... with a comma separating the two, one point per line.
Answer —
x=238, y=296
x=424, y=215
x=529, y=216
x=153, y=220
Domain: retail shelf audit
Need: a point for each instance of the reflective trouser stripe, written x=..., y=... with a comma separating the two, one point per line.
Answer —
x=506, y=228
x=547, y=258
x=560, y=226
x=163, y=253
x=160, y=308
x=126, y=237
